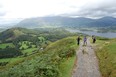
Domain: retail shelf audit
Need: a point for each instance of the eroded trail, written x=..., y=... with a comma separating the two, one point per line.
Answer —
x=87, y=63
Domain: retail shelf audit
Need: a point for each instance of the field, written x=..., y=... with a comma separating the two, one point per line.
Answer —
x=4, y=45
x=25, y=44
x=29, y=51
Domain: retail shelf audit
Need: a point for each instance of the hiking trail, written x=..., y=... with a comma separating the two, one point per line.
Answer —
x=87, y=63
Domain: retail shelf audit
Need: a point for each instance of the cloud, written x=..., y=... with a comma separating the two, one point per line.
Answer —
x=38, y=8
x=96, y=9
x=2, y=12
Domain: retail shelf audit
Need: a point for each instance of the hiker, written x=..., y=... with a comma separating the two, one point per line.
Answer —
x=85, y=40
x=94, y=39
x=78, y=40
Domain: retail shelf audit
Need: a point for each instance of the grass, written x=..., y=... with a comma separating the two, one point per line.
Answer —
x=5, y=60
x=10, y=59
x=33, y=46
x=62, y=47
x=107, y=58
x=49, y=63
x=67, y=43
x=66, y=67
x=18, y=33
x=24, y=44
x=41, y=39
x=11, y=62
x=3, y=46
x=29, y=51
x=112, y=48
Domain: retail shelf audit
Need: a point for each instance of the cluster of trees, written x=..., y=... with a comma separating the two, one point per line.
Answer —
x=33, y=40
x=4, y=36
x=9, y=52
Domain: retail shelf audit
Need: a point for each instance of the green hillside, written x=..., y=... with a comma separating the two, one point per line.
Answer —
x=17, y=44
x=106, y=52
x=24, y=40
x=48, y=53
x=45, y=64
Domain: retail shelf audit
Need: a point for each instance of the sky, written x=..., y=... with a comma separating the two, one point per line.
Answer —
x=11, y=10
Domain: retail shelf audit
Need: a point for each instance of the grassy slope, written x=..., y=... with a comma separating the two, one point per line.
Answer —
x=11, y=62
x=9, y=59
x=61, y=46
x=106, y=53
x=66, y=67
x=46, y=64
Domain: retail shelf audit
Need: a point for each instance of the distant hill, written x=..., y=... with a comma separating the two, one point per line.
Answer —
x=10, y=34
x=28, y=40
x=57, y=21
x=17, y=33
x=104, y=22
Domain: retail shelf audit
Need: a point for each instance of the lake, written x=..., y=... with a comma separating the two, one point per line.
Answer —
x=107, y=35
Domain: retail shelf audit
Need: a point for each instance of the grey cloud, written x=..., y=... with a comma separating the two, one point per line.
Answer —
x=100, y=9
x=2, y=12
x=1, y=6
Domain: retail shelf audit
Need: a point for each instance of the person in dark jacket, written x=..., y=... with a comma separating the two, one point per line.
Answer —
x=94, y=39
x=78, y=40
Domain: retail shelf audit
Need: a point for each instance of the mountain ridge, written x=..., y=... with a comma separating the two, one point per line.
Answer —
x=67, y=22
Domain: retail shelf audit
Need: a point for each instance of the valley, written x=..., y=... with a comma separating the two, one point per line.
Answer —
x=57, y=38
x=46, y=61
x=44, y=51
x=47, y=48
x=23, y=43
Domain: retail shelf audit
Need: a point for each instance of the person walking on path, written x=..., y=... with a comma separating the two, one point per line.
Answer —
x=78, y=40
x=85, y=41
x=94, y=39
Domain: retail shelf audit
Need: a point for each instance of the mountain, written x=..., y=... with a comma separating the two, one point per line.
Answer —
x=58, y=21
x=11, y=34
x=104, y=22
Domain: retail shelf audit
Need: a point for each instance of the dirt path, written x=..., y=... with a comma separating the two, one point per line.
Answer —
x=87, y=63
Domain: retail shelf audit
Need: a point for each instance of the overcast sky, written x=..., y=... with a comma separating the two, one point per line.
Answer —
x=12, y=9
